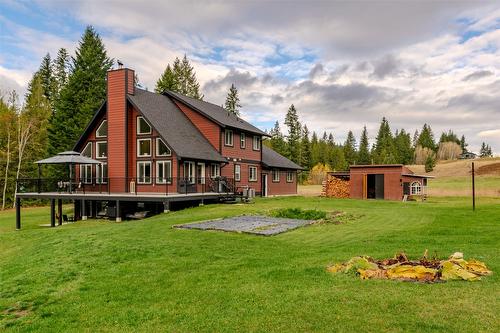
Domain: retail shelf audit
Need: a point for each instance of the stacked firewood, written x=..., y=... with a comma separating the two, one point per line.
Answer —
x=335, y=187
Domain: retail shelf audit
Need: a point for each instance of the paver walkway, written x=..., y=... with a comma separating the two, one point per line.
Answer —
x=260, y=225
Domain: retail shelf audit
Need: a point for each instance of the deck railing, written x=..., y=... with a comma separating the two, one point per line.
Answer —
x=172, y=185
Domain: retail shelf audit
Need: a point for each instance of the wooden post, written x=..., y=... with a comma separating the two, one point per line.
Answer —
x=166, y=206
x=18, y=213
x=84, y=210
x=59, y=211
x=52, y=212
x=473, y=189
x=118, y=211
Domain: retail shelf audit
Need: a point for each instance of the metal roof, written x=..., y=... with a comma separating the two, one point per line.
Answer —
x=272, y=159
x=416, y=176
x=68, y=157
x=216, y=113
x=173, y=126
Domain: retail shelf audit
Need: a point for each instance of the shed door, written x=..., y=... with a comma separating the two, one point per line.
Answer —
x=379, y=186
x=406, y=188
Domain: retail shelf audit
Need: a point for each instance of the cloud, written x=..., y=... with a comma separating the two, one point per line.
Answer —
x=477, y=75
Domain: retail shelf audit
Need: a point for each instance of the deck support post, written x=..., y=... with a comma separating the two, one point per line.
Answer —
x=18, y=213
x=166, y=206
x=118, y=211
x=84, y=210
x=202, y=203
x=52, y=213
x=59, y=211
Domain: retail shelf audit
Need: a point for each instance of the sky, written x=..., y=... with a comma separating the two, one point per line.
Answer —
x=343, y=65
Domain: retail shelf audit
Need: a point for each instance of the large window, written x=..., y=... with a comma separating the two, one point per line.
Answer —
x=215, y=170
x=101, y=149
x=252, y=173
x=87, y=151
x=415, y=188
x=256, y=143
x=189, y=172
x=164, y=172
x=237, y=172
x=243, y=143
x=86, y=173
x=142, y=126
x=102, y=173
x=276, y=176
x=161, y=148
x=143, y=147
x=144, y=172
x=228, y=137
x=289, y=177
x=102, y=130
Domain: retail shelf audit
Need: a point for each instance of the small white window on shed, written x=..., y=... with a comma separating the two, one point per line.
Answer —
x=415, y=188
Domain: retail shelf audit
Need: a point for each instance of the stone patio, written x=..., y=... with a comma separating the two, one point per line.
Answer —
x=259, y=225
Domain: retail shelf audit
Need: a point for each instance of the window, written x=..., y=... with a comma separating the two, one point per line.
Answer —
x=189, y=172
x=228, y=137
x=201, y=173
x=101, y=149
x=256, y=143
x=102, y=130
x=143, y=126
x=161, y=148
x=237, y=172
x=143, y=147
x=87, y=151
x=252, y=173
x=289, y=177
x=86, y=173
x=164, y=172
x=102, y=173
x=415, y=188
x=243, y=143
x=144, y=172
x=215, y=170
x=276, y=176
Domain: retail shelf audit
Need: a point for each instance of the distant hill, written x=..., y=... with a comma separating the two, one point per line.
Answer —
x=461, y=168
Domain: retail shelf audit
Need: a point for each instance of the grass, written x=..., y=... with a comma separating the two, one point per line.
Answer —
x=299, y=213
x=146, y=276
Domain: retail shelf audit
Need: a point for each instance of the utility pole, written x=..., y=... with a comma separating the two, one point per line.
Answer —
x=473, y=189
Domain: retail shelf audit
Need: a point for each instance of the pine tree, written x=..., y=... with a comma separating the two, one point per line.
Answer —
x=403, y=148
x=60, y=72
x=232, y=104
x=186, y=78
x=485, y=150
x=350, y=149
x=46, y=77
x=364, y=153
x=426, y=138
x=414, y=142
x=306, y=149
x=277, y=140
x=167, y=81
x=384, y=144
x=463, y=144
x=294, y=132
x=83, y=94
x=315, y=150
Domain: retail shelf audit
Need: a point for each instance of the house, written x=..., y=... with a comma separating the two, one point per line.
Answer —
x=384, y=181
x=468, y=156
x=163, y=148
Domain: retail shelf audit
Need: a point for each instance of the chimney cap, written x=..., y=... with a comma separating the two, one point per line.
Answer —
x=120, y=64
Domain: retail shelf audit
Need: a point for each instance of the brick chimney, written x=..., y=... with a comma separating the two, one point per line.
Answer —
x=120, y=83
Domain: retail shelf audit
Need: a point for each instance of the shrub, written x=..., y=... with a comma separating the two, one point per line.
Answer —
x=429, y=164
x=298, y=213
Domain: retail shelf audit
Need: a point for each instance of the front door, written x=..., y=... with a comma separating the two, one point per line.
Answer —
x=264, y=185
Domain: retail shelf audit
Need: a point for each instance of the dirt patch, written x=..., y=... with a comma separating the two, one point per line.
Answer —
x=489, y=169
x=16, y=312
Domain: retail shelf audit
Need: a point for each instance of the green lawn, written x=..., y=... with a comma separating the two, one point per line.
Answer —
x=146, y=276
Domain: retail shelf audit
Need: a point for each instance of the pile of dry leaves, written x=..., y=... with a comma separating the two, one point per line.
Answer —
x=423, y=270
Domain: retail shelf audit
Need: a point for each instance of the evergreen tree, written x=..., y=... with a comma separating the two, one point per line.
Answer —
x=167, y=81
x=46, y=78
x=403, y=147
x=60, y=72
x=485, y=150
x=414, y=142
x=232, y=104
x=277, y=140
x=306, y=149
x=384, y=144
x=430, y=163
x=186, y=78
x=315, y=149
x=449, y=137
x=463, y=144
x=364, y=153
x=83, y=94
x=426, y=138
x=294, y=132
x=350, y=149
x=337, y=159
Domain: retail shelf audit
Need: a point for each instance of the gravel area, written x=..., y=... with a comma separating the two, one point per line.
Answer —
x=260, y=225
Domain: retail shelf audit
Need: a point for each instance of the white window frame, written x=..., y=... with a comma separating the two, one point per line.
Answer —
x=144, y=179
x=276, y=176
x=201, y=178
x=97, y=153
x=138, y=126
x=250, y=178
x=237, y=172
x=243, y=140
x=256, y=144
x=228, y=138
x=415, y=188
x=157, y=146
x=100, y=179
x=139, y=147
x=190, y=172
x=91, y=148
x=289, y=177
x=214, y=170
x=86, y=173
x=98, y=128
x=167, y=176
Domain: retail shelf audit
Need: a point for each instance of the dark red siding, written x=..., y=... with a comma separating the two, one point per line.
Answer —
x=393, y=186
